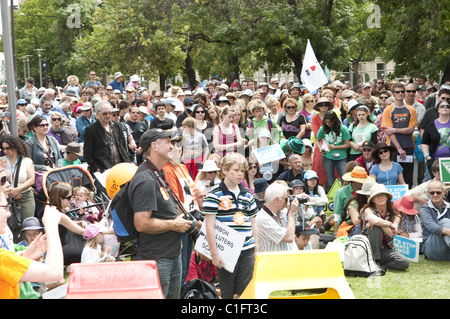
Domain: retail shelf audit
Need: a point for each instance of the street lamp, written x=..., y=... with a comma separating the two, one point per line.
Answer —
x=39, y=52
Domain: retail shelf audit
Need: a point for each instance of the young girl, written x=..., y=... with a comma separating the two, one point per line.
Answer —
x=409, y=225
x=226, y=135
x=83, y=197
x=93, y=251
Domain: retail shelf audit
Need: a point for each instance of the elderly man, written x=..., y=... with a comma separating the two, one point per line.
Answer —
x=276, y=225
x=104, y=142
x=156, y=214
x=435, y=217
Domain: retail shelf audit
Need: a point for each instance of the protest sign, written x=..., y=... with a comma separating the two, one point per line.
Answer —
x=397, y=191
x=408, y=247
x=331, y=193
x=229, y=243
x=444, y=165
x=269, y=154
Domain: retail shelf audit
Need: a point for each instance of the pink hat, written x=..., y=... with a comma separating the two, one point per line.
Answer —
x=91, y=231
x=406, y=205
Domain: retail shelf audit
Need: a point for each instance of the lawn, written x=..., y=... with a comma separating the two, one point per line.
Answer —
x=426, y=279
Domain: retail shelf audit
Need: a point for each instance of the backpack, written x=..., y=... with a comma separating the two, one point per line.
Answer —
x=358, y=259
x=123, y=216
x=198, y=289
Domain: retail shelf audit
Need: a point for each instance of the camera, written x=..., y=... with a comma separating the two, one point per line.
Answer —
x=301, y=200
x=193, y=231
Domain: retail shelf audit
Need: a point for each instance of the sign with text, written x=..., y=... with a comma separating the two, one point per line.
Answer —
x=408, y=247
x=229, y=243
x=269, y=154
x=397, y=191
x=444, y=165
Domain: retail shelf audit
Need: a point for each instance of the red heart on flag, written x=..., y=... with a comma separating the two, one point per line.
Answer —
x=313, y=68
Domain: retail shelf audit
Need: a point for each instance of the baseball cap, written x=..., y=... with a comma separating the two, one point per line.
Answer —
x=153, y=135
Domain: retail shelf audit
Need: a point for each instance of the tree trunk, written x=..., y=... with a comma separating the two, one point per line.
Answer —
x=189, y=70
x=162, y=81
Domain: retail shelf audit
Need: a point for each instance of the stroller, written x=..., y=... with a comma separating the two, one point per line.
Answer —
x=72, y=243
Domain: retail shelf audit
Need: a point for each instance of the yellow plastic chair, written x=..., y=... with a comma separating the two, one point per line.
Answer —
x=299, y=270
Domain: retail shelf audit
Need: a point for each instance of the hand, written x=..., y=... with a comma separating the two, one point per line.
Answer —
x=37, y=248
x=401, y=153
x=181, y=225
x=218, y=262
x=390, y=131
x=51, y=217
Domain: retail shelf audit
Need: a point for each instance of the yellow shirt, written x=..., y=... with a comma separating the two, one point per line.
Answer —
x=12, y=269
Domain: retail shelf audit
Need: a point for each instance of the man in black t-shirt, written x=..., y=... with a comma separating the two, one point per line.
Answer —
x=156, y=214
x=161, y=121
x=138, y=128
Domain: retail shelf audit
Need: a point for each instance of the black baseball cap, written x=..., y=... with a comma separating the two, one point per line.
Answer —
x=153, y=135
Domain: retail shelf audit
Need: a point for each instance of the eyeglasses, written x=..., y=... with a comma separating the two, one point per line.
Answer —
x=43, y=125
x=383, y=97
x=445, y=99
x=432, y=193
x=115, y=114
x=134, y=112
x=380, y=82
x=3, y=180
x=399, y=92
x=442, y=106
x=199, y=112
x=188, y=104
x=68, y=197
x=253, y=167
x=411, y=91
x=290, y=107
x=92, y=74
x=106, y=113
x=56, y=119
x=7, y=206
x=383, y=151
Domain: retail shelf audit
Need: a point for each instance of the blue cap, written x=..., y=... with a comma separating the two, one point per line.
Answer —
x=310, y=174
x=22, y=102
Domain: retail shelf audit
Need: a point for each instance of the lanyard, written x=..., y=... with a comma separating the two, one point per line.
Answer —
x=4, y=243
x=12, y=168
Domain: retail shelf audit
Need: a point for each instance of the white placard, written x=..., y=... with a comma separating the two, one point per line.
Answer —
x=229, y=244
x=269, y=154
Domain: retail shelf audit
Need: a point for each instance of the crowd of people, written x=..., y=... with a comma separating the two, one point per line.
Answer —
x=207, y=148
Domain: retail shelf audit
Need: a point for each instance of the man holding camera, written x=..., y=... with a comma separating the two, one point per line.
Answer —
x=156, y=215
x=276, y=225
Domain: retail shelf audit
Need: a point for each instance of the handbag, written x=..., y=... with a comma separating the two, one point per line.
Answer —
x=15, y=220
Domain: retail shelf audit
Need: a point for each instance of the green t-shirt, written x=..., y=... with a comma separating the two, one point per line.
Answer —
x=336, y=140
x=68, y=163
x=361, y=134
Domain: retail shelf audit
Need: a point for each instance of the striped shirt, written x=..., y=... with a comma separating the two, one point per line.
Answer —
x=232, y=211
x=271, y=231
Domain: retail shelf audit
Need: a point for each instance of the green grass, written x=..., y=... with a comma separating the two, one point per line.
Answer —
x=426, y=279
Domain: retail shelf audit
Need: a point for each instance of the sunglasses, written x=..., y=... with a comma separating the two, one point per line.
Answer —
x=109, y=90
x=435, y=193
x=43, y=125
x=290, y=107
x=56, y=119
x=383, y=151
x=106, y=113
x=411, y=91
x=310, y=101
x=199, y=112
x=189, y=104
x=253, y=167
x=134, y=112
x=3, y=180
x=399, y=92
x=68, y=197
x=115, y=114
x=367, y=150
x=383, y=97
x=380, y=82
x=445, y=99
x=446, y=106
x=322, y=105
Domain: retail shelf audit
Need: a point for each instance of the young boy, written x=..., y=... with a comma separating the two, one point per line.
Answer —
x=234, y=205
x=73, y=151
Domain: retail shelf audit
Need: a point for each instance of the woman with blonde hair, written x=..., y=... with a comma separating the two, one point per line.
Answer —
x=293, y=123
x=272, y=104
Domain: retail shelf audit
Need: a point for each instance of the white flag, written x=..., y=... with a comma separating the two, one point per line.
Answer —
x=312, y=75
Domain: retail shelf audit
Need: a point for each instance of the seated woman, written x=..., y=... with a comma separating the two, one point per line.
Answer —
x=386, y=171
x=380, y=224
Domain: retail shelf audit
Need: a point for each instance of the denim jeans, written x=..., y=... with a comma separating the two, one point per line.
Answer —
x=329, y=166
x=169, y=271
x=437, y=247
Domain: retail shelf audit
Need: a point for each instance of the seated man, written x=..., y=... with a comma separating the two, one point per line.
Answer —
x=435, y=217
x=295, y=172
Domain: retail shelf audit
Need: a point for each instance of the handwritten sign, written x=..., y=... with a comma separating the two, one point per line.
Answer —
x=408, y=247
x=229, y=243
x=269, y=154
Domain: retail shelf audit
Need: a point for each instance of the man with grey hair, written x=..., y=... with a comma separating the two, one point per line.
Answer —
x=104, y=143
x=435, y=217
x=275, y=220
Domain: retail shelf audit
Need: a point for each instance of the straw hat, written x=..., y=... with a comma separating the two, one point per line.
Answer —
x=358, y=174
x=378, y=189
x=406, y=205
x=209, y=166
x=365, y=189
x=323, y=100
x=70, y=77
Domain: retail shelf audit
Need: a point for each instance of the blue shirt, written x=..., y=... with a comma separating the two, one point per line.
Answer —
x=387, y=178
x=117, y=86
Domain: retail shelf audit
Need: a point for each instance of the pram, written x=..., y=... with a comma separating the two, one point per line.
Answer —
x=72, y=243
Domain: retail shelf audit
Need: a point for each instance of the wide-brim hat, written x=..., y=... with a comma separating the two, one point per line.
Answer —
x=117, y=74
x=296, y=183
x=366, y=186
x=209, y=166
x=378, y=189
x=71, y=77
x=75, y=148
x=353, y=104
x=296, y=145
x=358, y=174
x=323, y=100
x=406, y=205
x=381, y=146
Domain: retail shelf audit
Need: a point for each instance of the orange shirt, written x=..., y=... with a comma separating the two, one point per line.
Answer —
x=12, y=268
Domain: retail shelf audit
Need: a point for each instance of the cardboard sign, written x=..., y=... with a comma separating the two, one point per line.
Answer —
x=444, y=165
x=408, y=247
x=336, y=185
x=269, y=154
x=397, y=191
x=229, y=243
